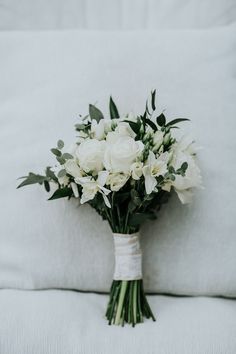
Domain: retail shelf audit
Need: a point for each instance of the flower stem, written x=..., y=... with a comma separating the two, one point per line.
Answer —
x=127, y=303
x=121, y=302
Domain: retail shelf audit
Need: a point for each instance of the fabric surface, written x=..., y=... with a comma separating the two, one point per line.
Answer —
x=47, y=79
x=59, y=322
x=115, y=14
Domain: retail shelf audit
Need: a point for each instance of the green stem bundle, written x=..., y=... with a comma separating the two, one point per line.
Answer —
x=127, y=303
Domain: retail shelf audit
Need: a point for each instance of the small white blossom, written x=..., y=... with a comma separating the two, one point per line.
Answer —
x=153, y=168
x=91, y=187
x=136, y=170
x=117, y=181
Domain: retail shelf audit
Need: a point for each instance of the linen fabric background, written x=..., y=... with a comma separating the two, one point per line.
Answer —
x=115, y=14
x=47, y=79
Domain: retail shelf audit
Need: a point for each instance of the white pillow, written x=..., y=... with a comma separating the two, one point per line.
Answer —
x=47, y=79
x=115, y=14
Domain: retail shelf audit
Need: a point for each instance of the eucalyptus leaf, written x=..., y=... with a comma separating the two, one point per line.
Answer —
x=67, y=156
x=56, y=152
x=60, y=144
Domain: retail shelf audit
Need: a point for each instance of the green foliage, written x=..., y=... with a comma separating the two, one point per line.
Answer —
x=161, y=120
x=51, y=175
x=176, y=121
x=113, y=109
x=56, y=152
x=62, y=193
x=67, y=156
x=134, y=126
x=95, y=113
x=153, y=99
x=32, y=178
x=60, y=144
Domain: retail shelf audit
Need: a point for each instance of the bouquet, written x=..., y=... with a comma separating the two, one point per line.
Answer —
x=124, y=167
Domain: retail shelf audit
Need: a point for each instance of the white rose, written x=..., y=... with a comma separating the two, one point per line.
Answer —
x=90, y=154
x=121, y=151
x=117, y=181
x=72, y=168
x=136, y=170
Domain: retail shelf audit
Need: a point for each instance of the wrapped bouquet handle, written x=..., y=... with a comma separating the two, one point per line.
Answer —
x=127, y=301
x=128, y=257
x=124, y=167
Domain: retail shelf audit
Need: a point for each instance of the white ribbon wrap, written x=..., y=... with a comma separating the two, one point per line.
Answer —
x=128, y=257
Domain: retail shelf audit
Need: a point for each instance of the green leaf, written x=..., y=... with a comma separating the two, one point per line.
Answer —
x=56, y=152
x=60, y=160
x=147, y=110
x=171, y=169
x=50, y=174
x=138, y=218
x=67, y=156
x=175, y=121
x=151, y=124
x=60, y=144
x=184, y=166
x=95, y=113
x=153, y=99
x=61, y=173
x=133, y=125
x=135, y=197
x=161, y=120
x=46, y=186
x=32, y=179
x=61, y=193
x=113, y=109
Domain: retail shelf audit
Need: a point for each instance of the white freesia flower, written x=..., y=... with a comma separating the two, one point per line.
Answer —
x=63, y=181
x=72, y=168
x=157, y=139
x=136, y=170
x=90, y=154
x=117, y=181
x=121, y=151
x=91, y=187
x=153, y=168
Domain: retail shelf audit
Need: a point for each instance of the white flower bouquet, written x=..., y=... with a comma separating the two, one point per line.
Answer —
x=125, y=168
